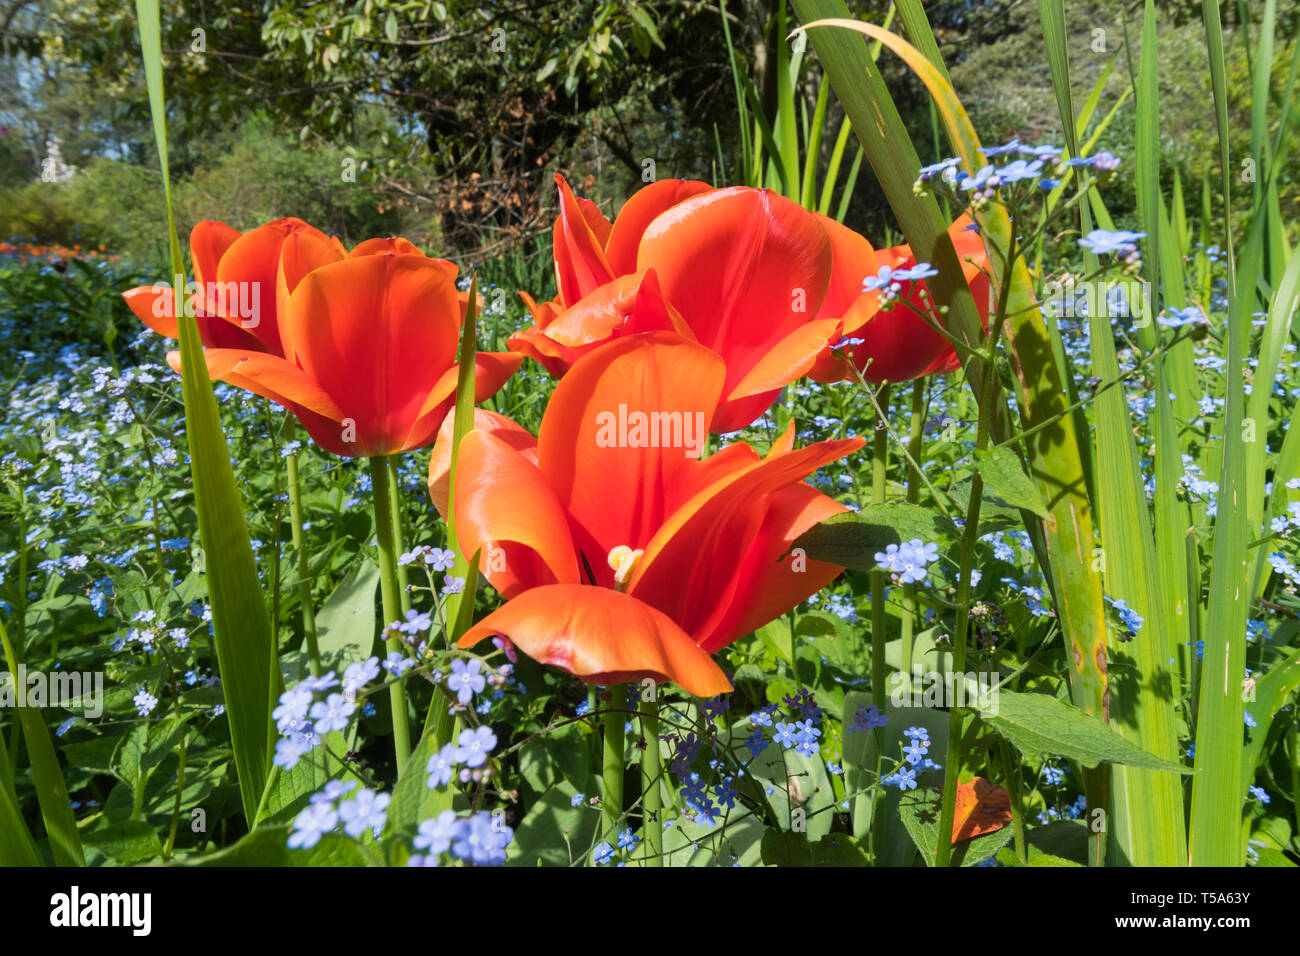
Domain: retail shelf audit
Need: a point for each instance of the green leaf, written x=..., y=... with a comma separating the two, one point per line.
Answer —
x=390, y=27
x=919, y=810
x=554, y=832
x=1002, y=474
x=1007, y=857
x=17, y=848
x=853, y=538
x=241, y=627
x=1039, y=724
x=51, y=791
x=144, y=749
x=893, y=842
x=346, y=621
x=413, y=802
x=268, y=846
x=1054, y=457
x=126, y=843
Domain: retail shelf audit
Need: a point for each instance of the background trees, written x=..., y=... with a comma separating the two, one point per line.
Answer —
x=445, y=120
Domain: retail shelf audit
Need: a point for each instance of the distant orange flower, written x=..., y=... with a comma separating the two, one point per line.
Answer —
x=621, y=553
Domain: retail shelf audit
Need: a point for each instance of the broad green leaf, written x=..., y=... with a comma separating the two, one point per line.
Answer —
x=346, y=621
x=853, y=538
x=51, y=790
x=268, y=846
x=554, y=832
x=1271, y=692
x=1053, y=454
x=125, y=843
x=17, y=848
x=1006, y=479
x=894, y=846
x=919, y=810
x=413, y=802
x=1039, y=724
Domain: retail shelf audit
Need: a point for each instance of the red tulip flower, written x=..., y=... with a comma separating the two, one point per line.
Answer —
x=235, y=275
x=742, y=271
x=369, y=362
x=621, y=553
x=897, y=344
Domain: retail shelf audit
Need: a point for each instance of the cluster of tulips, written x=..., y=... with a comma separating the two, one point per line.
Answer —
x=621, y=553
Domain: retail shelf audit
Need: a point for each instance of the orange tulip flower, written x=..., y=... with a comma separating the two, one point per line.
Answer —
x=897, y=344
x=742, y=271
x=235, y=274
x=621, y=553
x=369, y=346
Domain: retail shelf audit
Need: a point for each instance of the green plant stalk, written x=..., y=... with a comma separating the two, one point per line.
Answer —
x=879, y=469
x=652, y=826
x=915, y=449
x=1054, y=460
x=438, y=719
x=612, y=765
x=403, y=578
x=181, y=755
x=304, y=565
x=17, y=848
x=1011, y=774
x=379, y=466
x=952, y=763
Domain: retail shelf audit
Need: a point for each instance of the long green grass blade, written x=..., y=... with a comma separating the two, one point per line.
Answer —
x=1214, y=834
x=785, y=153
x=240, y=624
x=51, y=791
x=814, y=146
x=17, y=848
x=459, y=609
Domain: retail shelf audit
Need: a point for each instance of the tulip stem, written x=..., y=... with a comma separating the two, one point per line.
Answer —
x=300, y=548
x=652, y=796
x=403, y=581
x=379, y=466
x=612, y=768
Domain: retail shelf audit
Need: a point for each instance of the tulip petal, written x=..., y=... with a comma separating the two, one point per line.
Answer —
x=713, y=555
x=533, y=343
x=209, y=241
x=899, y=345
x=378, y=333
x=788, y=359
x=490, y=423
x=491, y=370
x=600, y=443
x=603, y=637
x=155, y=306
x=744, y=267
x=580, y=265
x=246, y=277
x=637, y=214
x=271, y=377
x=504, y=499
x=853, y=258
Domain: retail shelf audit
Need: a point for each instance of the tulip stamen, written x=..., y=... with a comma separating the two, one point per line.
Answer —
x=622, y=560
